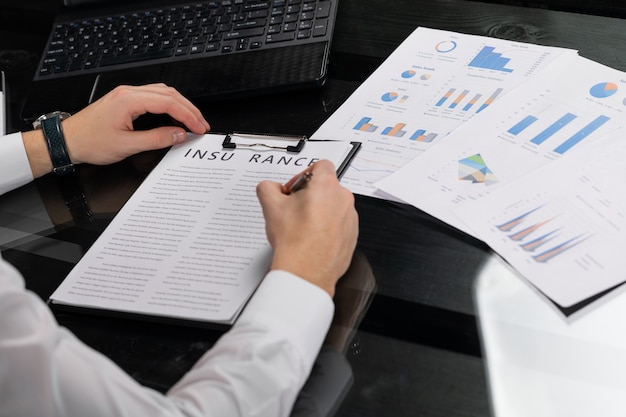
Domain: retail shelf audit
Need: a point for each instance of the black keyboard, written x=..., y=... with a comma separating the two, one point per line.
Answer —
x=183, y=32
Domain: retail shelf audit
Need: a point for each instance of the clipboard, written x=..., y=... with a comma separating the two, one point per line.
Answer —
x=288, y=143
x=208, y=208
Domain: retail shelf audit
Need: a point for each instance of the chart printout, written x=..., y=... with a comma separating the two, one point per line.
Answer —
x=432, y=83
x=560, y=225
x=573, y=103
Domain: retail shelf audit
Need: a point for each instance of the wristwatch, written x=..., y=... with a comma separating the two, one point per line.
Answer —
x=62, y=114
x=50, y=124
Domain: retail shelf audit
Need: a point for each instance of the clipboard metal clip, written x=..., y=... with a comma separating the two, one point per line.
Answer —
x=256, y=140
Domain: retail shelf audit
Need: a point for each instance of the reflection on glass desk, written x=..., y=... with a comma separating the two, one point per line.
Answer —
x=391, y=346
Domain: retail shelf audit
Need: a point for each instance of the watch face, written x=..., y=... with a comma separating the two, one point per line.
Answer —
x=62, y=114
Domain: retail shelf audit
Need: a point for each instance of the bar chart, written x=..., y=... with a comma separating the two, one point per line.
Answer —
x=364, y=125
x=397, y=130
x=452, y=99
x=487, y=58
x=421, y=135
x=554, y=130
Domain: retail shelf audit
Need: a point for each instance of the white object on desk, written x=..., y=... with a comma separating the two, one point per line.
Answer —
x=542, y=364
x=3, y=107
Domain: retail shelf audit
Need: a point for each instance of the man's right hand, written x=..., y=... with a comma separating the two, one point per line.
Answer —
x=313, y=231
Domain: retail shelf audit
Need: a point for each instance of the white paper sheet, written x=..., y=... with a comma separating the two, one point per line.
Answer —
x=432, y=83
x=190, y=243
x=562, y=226
x=573, y=103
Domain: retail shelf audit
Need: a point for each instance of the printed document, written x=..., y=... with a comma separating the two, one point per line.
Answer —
x=190, y=243
x=572, y=104
x=431, y=84
x=560, y=225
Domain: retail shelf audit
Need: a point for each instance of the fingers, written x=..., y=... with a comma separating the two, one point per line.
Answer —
x=157, y=138
x=160, y=99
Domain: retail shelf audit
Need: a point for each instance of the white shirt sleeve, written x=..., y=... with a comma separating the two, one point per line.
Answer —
x=255, y=369
x=15, y=169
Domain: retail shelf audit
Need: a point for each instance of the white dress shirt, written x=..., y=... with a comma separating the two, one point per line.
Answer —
x=14, y=168
x=256, y=369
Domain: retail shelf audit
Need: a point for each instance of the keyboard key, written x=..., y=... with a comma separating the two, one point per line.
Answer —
x=290, y=27
x=244, y=33
x=323, y=9
x=55, y=60
x=256, y=6
x=250, y=24
x=125, y=59
x=280, y=37
x=319, y=29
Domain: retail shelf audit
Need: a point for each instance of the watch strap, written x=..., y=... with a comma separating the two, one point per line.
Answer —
x=53, y=132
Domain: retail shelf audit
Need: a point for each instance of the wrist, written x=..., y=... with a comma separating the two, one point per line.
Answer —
x=308, y=271
x=37, y=153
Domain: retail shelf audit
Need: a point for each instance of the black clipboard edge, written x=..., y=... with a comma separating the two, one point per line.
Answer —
x=356, y=146
x=57, y=307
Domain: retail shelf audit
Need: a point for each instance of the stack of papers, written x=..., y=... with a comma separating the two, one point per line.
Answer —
x=515, y=144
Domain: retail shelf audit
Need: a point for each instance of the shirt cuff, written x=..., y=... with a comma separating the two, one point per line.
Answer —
x=15, y=169
x=293, y=306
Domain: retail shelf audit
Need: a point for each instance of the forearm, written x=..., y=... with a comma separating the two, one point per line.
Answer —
x=256, y=369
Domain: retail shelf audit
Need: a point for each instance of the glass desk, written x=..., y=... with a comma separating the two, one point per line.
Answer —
x=406, y=340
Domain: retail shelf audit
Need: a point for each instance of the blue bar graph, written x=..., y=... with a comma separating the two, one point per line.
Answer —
x=553, y=128
x=490, y=100
x=421, y=136
x=488, y=59
x=364, y=125
x=445, y=97
x=395, y=130
x=582, y=134
x=459, y=99
x=417, y=134
x=472, y=102
x=523, y=124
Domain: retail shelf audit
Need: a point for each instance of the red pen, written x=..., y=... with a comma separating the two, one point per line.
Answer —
x=299, y=183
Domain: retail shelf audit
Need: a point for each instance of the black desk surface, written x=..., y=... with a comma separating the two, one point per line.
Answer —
x=416, y=349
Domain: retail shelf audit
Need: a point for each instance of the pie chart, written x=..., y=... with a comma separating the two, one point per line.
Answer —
x=603, y=90
x=391, y=96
